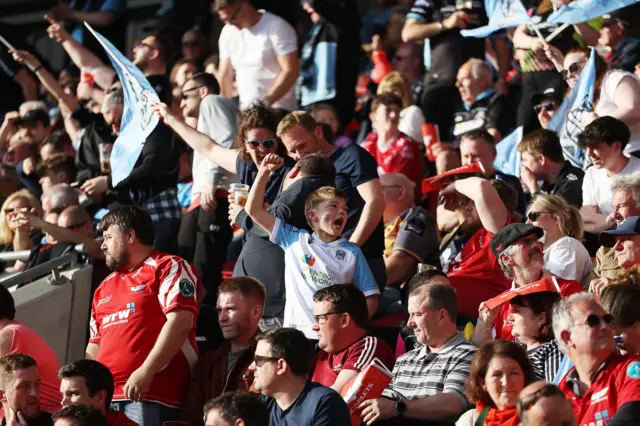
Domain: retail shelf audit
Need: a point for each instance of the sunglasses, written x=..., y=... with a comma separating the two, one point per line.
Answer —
x=260, y=360
x=266, y=143
x=11, y=210
x=547, y=106
x=524, y=404
x=573, y=69
x=233, y=15
x=141, y=45
x=594, y=321
x=533, y=216
x=190, y=44
x=322, y=318
x=76, y=226
x=183, y=96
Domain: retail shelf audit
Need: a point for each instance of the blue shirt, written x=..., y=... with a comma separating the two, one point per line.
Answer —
x=317, y=405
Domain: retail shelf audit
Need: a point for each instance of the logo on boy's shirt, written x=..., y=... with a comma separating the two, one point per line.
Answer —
x=309, y=260
x=340, y=254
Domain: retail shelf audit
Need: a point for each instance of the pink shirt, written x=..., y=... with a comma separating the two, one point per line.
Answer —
x=28, y=342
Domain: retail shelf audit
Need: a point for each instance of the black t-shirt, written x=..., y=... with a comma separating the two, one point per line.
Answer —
x=96, y=132
x=355, y=166
x=568, y=185
x=162, y=85
x=488, y=112
x=449, y=50
x=247, y=171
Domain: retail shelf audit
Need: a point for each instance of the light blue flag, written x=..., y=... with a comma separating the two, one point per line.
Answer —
x=508, y=158
x=138, y=119
x=579, y=11
x=506, y=14
x=567, y=120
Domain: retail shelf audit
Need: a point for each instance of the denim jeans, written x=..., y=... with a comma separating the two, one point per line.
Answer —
x=146, y=413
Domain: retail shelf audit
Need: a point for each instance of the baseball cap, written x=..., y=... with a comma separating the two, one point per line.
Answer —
x=551, y=92
x=630, y=226
x=508, y=235
x=622, y=16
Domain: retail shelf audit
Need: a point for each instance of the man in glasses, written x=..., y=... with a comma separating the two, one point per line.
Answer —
x=616, y=34
x=543, y=160
x=543, y=404
x=240, y=305
x=205, y=231
x=281, y=374
x=546, y=103
x=262, y=48
x=603, y=387
x=340, y=314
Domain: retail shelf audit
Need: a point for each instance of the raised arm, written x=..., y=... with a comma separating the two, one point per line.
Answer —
x=491, y=210
x=200, y=142
x=371, y=193
x=255, y=202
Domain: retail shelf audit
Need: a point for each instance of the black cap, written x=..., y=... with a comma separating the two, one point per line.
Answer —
x=32, y=116
x=512, y=233
x=620, y=16
x=630, y=226
x=551, y=92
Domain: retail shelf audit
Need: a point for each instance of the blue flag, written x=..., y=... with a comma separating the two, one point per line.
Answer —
x=138, y=119
x=567, y=120
x=505, y=14
x=508, y=158
x=579, y=11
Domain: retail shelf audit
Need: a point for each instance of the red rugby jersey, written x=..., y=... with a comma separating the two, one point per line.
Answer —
x=128, y=312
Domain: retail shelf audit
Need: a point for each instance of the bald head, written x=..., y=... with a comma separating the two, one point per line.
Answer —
x=75, y=216
x=545, y=405
x=399, y=194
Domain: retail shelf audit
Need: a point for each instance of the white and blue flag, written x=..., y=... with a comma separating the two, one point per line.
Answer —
x=505, y=14
x=568, y=118
x=508, y=158
x=580, y=11
x=138, y=119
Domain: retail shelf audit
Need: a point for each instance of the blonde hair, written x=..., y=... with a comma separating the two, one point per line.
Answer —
x=6, y=233
x=568, y=216
x=396, y=80
x=318, y=196
x=296, y=118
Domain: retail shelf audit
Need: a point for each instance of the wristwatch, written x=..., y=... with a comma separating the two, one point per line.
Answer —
x=401, y=407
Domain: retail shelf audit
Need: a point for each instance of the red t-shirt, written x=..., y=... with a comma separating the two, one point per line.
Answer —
x=502, y=325
x=617, y=383
x=355, y=357
x=118, y=418
x=128, y=312
x=399, y=155
x=475, y=273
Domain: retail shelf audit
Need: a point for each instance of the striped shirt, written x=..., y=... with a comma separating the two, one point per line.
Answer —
x=545, y=360
x=421, y=373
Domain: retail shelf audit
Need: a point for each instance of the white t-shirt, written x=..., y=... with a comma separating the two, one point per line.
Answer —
x=254, y=56
x=606, y=104
x=311, y=265
x=596, y=186
x=567, y=258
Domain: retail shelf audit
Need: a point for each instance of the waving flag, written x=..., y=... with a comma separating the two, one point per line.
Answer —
x=138, y=119
x=508, y=158
x=567, y=120
x=505, y=14
x=579, y=11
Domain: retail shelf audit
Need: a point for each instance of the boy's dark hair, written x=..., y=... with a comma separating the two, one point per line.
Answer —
x=83, y=415
x=57, y=164
x=386, y=99
x=204, y=79
x=131, y=217
x=346, y=298
x=292, y=346
x=507, y=194
x=542, y=142
x=317, y=164
x=481, y=134
x=7, y=304
x=96, y=376
x=607, y=130
x=239, y=405
x=60, y=140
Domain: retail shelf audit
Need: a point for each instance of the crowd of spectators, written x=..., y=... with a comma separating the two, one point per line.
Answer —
x=274, y=240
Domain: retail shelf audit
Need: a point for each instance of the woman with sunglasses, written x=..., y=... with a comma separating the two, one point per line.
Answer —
x=532, y=327
x=14, y=237
x=499, y=371
x=564, y=254
x=621, y=300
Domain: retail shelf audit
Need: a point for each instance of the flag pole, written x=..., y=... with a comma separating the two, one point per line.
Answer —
x=545, y=44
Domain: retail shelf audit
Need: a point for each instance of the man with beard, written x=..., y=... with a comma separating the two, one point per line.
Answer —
x=143, y=320
x=603, y=387
x=240, y=305
x=20, y=390
x=520, y=257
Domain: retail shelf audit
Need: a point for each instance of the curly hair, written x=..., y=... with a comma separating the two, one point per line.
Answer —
x=256, y=116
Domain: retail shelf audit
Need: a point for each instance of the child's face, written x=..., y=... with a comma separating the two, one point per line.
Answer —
x=330, y=217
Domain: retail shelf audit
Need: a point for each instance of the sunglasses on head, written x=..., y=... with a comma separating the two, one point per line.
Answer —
x=547, y=106
x=266, y=143
x=524, y=404
x=573, y=68
x=594, y=321
x=533, y=216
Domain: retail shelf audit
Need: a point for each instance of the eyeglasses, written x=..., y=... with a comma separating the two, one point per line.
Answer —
x=533, y=216
x=190, y=43
x=183, y=96
x=594, y=321
x=76, y=226
x=524, y=404
x=573, y=69
x=142, y=44
x=260, y=360
x=233, y=15
x=266, y=143
x=11, y=210
x=547, y=106
x=322, y=318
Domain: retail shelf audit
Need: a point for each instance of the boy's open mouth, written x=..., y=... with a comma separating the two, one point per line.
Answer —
x=338, y=222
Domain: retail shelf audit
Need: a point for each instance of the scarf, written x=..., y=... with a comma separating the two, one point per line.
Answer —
x=495, y=417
